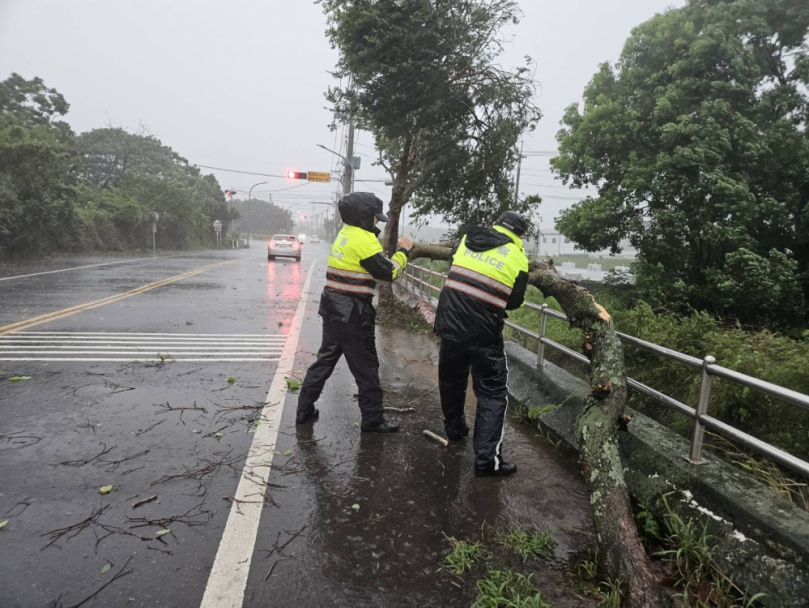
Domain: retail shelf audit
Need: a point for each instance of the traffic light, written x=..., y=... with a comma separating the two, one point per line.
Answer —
x=297, y=175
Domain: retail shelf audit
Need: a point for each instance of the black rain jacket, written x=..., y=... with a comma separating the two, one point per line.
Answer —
x=463, y=318
x=358, y=209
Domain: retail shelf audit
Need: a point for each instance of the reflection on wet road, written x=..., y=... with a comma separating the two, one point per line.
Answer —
x=346, y=520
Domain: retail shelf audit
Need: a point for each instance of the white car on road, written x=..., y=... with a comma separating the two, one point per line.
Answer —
x=314, y=239
x=285, y=245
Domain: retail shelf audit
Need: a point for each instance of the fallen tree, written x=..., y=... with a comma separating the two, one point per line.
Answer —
x=623, y=555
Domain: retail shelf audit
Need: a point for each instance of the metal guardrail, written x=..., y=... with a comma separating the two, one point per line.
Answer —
x=707, y=367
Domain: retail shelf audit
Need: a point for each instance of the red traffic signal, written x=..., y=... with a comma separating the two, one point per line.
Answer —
x=297, y=175
x=230, y=192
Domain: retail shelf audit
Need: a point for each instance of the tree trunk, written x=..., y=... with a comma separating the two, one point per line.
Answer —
x=390, y=237
x=624, y=557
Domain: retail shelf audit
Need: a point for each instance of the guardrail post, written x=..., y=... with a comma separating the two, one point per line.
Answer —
x=697, y=439
x=543, y=324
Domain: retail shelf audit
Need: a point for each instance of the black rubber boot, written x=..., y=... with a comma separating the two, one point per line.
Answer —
x=456, y=432
x=302, y=417
x=380, y=427
x=506, y=468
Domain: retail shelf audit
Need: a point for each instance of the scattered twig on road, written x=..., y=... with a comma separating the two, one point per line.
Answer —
x=74, y=529
x=159, y=549
x=290, y=539
x=16, y=438
x=119, y=574
x=435, y=437
x=402, y=410
x=420, y=397
x=195, y=516
x=81, y=463
x=201, y=470
x=365, y=521
x=167, y=407
x=11, y=513
x=88, y=426
x=139, y=433
x=114, y=464
x=337, y=464
x=274, y=564
x=138, y=503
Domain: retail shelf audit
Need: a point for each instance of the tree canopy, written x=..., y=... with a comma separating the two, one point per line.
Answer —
x=422, y=77
x=61, y=192
x=697, y=143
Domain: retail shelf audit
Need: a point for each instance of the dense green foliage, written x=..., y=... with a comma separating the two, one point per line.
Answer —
x=761, y=354
x=423, y=77
x=697, y=143
x=94, y=191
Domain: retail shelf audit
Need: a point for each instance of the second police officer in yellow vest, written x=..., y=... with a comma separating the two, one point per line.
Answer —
x=356, y=263
x=488, y=275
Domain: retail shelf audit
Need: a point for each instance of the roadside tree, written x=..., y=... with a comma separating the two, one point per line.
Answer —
x=697, y=142
x=422, y=77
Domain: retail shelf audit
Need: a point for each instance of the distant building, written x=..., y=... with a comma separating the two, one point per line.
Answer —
x=551, y=243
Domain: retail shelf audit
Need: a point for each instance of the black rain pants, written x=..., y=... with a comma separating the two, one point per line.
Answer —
x=357, y=341
x=489, y=377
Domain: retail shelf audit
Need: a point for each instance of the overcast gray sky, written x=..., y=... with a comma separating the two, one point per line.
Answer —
x=239, y=83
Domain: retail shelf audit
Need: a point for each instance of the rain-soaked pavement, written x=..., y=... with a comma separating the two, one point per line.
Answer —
x=180, y=429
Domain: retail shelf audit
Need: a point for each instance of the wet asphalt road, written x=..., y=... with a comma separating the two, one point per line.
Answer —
x=76, y=426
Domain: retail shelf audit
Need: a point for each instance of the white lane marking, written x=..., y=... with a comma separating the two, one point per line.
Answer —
x=228, y=578
x=122, y=340
x=130, y=360
x=126, y=333
x=140, y=351
x=33, y=348
x=36, y=274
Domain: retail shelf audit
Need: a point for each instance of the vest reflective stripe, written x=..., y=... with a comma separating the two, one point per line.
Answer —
x=363, y=276
x=475, y=292
x=481, y=278
x=350, y=288
x=398, y=267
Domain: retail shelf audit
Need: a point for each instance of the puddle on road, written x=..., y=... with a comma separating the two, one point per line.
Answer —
x=410, y=493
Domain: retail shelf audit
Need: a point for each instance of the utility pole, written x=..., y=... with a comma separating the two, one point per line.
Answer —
x=348, y=176
x=517, y=182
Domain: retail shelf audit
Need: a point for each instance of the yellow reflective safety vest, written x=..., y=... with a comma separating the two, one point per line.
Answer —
x=346, y=272
x=488, y=276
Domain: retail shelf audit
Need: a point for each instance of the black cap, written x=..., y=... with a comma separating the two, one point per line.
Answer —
x=513, y=221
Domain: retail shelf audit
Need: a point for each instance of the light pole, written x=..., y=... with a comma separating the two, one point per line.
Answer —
x=348, y=186
x=249, y=198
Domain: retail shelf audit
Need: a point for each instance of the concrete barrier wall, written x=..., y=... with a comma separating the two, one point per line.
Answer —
x=760, y=539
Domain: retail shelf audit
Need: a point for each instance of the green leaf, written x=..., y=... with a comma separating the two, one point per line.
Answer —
x=195, y=431
x=231, y=380
x=105, y=489
x=161, y=533
x=106, y=568
x=287, y=452
x=536, y=411
x=3, y=524
x=280, y=323
x=355, y=506
x=292, y=385
x=218, y=434
x=19, y=378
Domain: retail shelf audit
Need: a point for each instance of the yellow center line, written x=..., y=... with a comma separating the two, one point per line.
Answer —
x=73, y=310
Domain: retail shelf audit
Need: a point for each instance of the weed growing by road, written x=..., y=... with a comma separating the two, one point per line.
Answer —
x=508, y=589
x=538, y=543
x=464, y=555
x=610, y=593
x=702, y=582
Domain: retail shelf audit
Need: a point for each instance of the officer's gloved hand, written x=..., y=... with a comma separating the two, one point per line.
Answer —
x=406, y=243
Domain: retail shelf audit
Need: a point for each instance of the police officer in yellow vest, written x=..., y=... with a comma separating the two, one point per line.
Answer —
x=488, y=275
x=356, y=263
